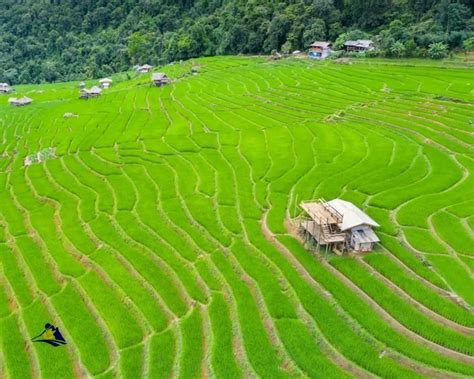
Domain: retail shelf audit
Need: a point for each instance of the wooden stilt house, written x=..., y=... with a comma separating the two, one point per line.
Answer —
x=338, y=225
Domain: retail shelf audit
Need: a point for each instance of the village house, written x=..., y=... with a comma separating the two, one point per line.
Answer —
x=18, y=102
x=88, y=93
x=5, y=88
x=338, y=225
x=105, y=83
x=359, y=45
x=143, y=69
x=159, y=79
x=319, y=50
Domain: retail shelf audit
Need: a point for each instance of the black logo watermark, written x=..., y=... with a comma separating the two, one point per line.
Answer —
x=50, y=335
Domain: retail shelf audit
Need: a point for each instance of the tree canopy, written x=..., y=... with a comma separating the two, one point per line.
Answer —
x=77, y=39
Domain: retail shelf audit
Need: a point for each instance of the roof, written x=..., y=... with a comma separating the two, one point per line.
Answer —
x=105, y=80
x=21, y=100
x=95, y=90
x=321, y=213
x=365, y=235
x=359, y=43
x=352, y=216
x=322, y=44
x=4, y=85
x=159, y=76
x=145, y=66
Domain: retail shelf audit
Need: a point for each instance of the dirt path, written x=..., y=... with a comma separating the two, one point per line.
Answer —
x=335, y=356
x=419, y=306
x=401, y=329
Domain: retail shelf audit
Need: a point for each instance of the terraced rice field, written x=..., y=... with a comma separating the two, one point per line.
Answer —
x=158, y=240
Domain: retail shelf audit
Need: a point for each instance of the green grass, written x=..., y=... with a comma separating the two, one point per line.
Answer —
x=142, y=240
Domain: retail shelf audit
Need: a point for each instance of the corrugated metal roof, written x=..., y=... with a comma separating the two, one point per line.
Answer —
x=365, y=235
x=352, y=216
x=159, y=76
x=322, y=44
x=359, y=43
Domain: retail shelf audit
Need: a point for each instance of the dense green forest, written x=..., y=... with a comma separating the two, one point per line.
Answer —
x=76, y=39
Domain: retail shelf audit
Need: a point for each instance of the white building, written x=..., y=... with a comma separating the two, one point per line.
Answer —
x=5, y=88
x=105, y=83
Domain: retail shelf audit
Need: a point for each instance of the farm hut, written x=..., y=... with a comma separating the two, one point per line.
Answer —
x=359, y=45
x=95, y=91
x=338, y=225
x=105, y=83
x=319, y=50
x=82, y=85
x=88, y=93
x=19, y=102
x=5, y=88
x=84, y=93
x=143, y=69
x=159, y=79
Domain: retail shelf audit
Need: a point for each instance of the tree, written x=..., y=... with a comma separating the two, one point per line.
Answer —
x=286, y=47
x=453, y=16
x=136, y=46
x=438, y=50
x=316, y=32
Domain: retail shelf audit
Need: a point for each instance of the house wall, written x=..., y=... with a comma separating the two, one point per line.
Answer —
x=319, y=53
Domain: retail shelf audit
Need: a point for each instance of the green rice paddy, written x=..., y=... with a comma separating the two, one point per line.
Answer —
x=158, y=238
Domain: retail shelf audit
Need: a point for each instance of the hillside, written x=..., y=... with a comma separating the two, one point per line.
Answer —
x=63, y=40
x=159, y=240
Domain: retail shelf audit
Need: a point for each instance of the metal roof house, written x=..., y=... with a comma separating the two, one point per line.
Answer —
x=338, y=225
x=159, y=79
x=88, y=93
x=5, y=88
x=319, y=50
x=143, y=69
x=19, y=102
x=359, y=45
x=105, y=83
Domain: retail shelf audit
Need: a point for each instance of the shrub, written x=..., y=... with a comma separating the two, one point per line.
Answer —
x=438, y=50
x=398, y=49
x=468, y=44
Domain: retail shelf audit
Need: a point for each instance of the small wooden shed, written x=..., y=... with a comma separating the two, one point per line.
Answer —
x=105, y=83
x=19, y=102
x=159, y=79
x=359, y=45
x=88, y=93
x=144, y=69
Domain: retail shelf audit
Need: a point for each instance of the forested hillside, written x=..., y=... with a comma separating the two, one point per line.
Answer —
x=74, y=39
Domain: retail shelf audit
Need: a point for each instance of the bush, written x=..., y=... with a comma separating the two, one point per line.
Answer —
x=336, y=54
x=398, y=50
x=468, y=44
x=438, y=50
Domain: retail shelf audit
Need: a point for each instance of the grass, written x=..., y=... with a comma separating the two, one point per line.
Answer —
x=143, y=240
